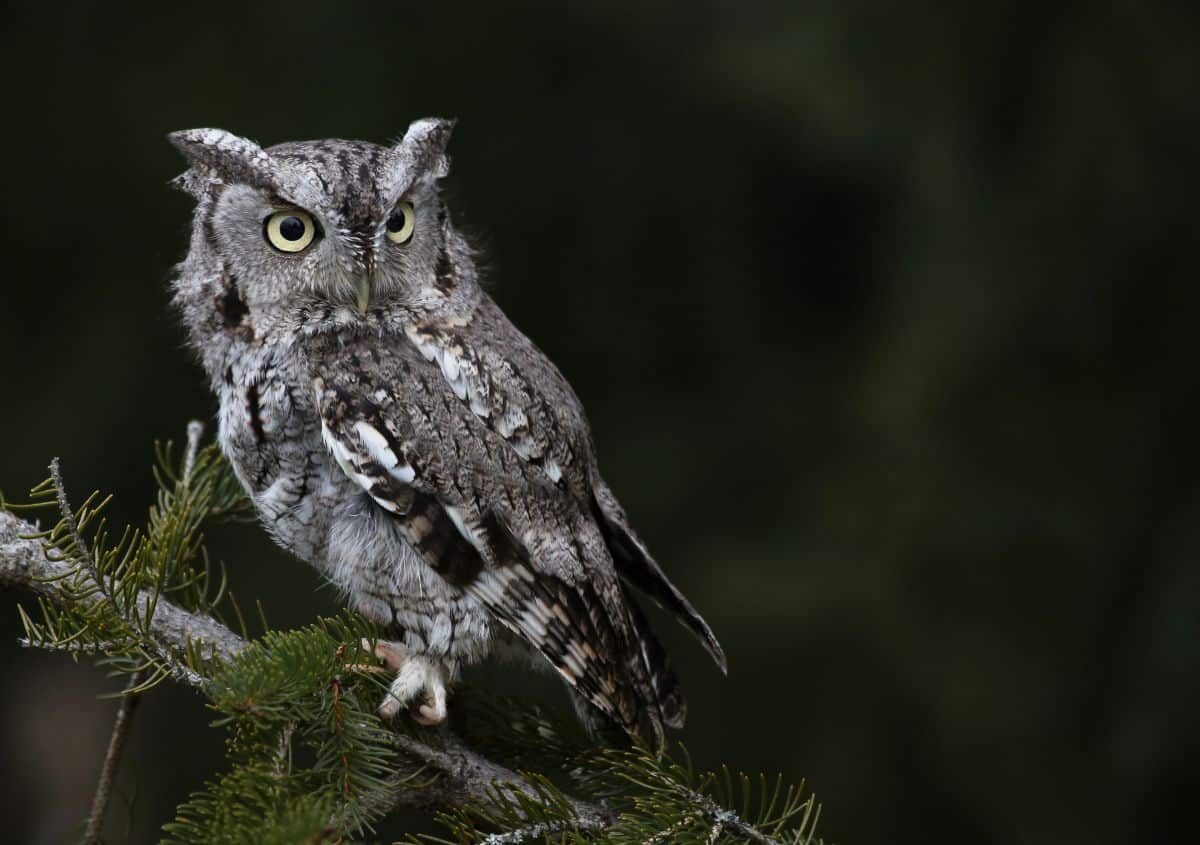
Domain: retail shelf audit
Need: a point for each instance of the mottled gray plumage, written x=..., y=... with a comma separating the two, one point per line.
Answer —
x=395, y=430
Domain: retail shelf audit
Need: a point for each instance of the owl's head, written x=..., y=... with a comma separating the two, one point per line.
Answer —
x=348, y=222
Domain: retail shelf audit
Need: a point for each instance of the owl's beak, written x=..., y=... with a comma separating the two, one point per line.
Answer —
x=364, y=293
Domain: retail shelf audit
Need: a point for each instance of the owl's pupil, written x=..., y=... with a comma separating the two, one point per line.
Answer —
x=291, y=228
x=396, y=221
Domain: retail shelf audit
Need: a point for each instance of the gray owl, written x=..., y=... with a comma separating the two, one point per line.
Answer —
x=396, y=431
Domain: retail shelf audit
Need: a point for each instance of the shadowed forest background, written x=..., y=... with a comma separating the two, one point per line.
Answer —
x=884, y=318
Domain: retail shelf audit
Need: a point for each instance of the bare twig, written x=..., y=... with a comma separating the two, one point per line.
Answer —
x=116, y=744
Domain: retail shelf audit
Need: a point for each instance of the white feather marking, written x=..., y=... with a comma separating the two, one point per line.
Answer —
x=439, y=634
x=492, y=585
x=479, y=406
x=378, y=448
x=450, y=368
x=561, y=613
x=484, y=588
x=574, y=647
x=552, y=469
x=386, y=504
x=543, y=610
x=460, y=522
x=339, y=452
x=512, y=419
x=403, y=473
x=426, y=346
x=531, y=623
x=573, y=664
x=377, y=445
x=525, y=446
x=361, y=480
x=502, y=577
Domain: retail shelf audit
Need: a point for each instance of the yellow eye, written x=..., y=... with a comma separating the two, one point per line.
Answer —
x=290, y=231
x=400, y=223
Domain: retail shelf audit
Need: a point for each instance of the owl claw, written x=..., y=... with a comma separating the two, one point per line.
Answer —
x=415, y=675
x=432, y=712
x=392, y=654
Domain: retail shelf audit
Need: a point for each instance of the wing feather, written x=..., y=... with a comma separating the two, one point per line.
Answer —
x=525, y=400
x=638, y=567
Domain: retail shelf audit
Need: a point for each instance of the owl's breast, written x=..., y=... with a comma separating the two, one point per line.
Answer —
x=270, y=434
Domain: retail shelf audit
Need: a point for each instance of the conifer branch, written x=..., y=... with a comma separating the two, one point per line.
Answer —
x=145, y=605
x=72, y=525
x=466, y=779
x=26, y=564
x=471, y=780
x=131, y=695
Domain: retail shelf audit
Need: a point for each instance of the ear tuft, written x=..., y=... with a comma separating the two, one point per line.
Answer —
x=424, y=146
x=228, y=156
x=190, y=182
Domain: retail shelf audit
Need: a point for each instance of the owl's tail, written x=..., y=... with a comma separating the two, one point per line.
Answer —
x=636, y=566
x=668, y=693
x=647, y=697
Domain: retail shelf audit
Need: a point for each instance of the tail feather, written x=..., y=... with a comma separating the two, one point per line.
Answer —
x=635, y=564
x=590, y=635
x=669, y=694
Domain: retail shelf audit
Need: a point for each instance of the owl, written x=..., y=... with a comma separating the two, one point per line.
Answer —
x=396, y=431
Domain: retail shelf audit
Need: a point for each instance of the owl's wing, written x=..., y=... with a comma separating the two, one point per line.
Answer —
x=521, y=396
x=490, y=521
x=636, y=565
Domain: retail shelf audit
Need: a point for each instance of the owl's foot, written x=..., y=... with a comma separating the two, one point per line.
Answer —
x=416, y=675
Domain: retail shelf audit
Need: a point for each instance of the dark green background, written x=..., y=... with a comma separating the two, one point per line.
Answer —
x=884, y=317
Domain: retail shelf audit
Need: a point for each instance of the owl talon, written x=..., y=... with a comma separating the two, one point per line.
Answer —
x=392, y=654
x=433, y=710
x=414, y=675
x=430, y=714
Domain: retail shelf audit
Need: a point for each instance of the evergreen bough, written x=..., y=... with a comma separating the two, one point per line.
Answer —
x=309, y=761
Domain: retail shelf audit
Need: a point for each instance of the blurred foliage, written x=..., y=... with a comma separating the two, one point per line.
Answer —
x=882, y=314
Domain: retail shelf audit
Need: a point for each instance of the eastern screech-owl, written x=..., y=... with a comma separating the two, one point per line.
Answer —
x=397, y=432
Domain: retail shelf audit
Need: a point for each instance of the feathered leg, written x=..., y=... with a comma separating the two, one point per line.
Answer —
x=415, y=675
